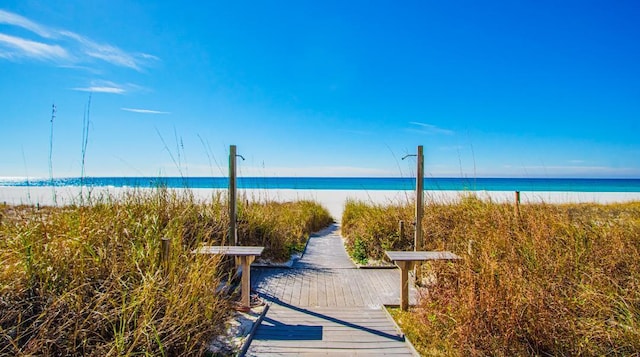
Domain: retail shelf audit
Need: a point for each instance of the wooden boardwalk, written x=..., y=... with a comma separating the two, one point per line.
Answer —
x=325, y=305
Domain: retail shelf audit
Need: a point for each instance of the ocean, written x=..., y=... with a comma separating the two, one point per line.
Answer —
x=345, y=183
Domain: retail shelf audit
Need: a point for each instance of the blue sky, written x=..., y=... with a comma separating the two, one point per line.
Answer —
x=321, y=88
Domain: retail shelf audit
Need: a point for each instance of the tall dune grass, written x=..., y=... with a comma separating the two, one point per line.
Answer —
x=282, y=228
x=557, y=280
x=86, y=280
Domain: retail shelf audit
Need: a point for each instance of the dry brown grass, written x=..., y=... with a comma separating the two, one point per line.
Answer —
x=282, y=228
x=86, y=280
x=557, y=280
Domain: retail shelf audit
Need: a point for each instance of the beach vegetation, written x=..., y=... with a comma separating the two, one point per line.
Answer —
x=557, y=280
x=283, y=228
x=87, y=279
x=358, y=251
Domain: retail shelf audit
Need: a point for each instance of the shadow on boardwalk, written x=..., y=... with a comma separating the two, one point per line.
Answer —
x=323, y=304
x=328, y=318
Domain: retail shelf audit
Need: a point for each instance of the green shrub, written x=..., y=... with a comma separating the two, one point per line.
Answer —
x=359, y=252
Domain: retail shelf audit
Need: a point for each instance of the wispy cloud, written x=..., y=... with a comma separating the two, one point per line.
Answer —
x=64, y=44
x=82, y=68
x=96, y=89
x=10, y=18
x=430, y=129
x=144, y=111
x=108, y=53
x=14, y=47
x=149, y=57
x=104, y=87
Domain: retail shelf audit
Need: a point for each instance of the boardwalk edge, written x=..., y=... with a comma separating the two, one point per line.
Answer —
x=406, y=339
x=294, y=257
x=249, y=339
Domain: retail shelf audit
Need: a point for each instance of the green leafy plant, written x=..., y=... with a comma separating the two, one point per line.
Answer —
x=359, y=252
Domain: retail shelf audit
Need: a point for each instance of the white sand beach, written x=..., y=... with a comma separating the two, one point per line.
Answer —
x=333, y=200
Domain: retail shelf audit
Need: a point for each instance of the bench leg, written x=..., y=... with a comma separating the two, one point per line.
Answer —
x=404, y=284
x=245, y=287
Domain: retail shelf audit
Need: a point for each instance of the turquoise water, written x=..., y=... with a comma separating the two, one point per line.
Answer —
x=350, y=183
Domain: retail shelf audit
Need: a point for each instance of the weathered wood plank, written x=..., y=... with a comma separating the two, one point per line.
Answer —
x=337, y=299
x=288, y=288
x=302, y=351
x=297, y=289
x=420, y=255
x=229, y=250
x=325, y=305
x=292, y=329
x=313, y=288
x=244, y=257
x=406, y=260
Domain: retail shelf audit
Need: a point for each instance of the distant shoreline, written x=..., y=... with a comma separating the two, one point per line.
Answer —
x=333, y=200
x=345, y=183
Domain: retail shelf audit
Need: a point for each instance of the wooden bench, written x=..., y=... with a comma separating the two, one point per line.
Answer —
x=244, y=256
x=406, y=261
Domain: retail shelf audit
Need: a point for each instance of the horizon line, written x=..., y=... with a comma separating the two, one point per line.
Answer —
x=42, y=178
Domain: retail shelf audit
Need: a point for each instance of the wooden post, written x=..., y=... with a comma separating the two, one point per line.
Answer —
x=233, y=236
x=419, y=242
x=517, y=206
x=401, y=229
x=165, y=245
x=404, y=284
x=245, y=297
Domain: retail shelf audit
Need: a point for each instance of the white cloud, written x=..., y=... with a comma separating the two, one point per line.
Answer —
x=79, y=49
x=148, y=56
x=103, y=87
x=18, y=47
x=97, y=89
x=107, y=53
x=82, y=68
x=144, y=111
x=425, y=128
x=17, y=20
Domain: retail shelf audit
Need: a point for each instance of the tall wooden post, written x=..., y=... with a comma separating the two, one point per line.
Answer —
x=233, y=208
x=165, y=246
x=419, y=242
x=517, y=206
